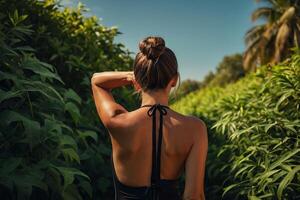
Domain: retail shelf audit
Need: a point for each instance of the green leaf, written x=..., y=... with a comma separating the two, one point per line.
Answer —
x=283, y=98
x=66, y=140
x=71, y=154
x=68, y=174
x=73, y=110
x=9, y=116
x=26, y=178
x=87, y=187
x=25, y=48
x=43, y=88
x=54, y=179
x=269, y=126
x=266, y=195
x=52, y=127
x=5, y=95
x=243, y=169
x=284, y=158
x=38, y=67
x=92, y=134
x=254, y=198
x=286, y=181
x=71, y=193
x=228, y=188
x=8, y=165
x=70, y=94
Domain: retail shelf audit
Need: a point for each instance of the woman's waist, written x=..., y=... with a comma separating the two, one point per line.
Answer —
x=162, y=183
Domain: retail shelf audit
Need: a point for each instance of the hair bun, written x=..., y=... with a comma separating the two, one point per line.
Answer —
x=152, y=47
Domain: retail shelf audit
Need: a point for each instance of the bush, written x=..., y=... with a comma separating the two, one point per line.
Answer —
x=52, y=144
x=254, y=126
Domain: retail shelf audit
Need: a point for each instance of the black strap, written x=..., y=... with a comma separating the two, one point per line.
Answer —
x=155, y=174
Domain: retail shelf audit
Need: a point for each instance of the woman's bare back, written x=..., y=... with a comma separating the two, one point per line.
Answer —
x=132, y=145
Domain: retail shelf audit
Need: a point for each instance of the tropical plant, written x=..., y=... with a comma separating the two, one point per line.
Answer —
x=271, y=42
x=38, y=145
x=52, y=143
x=253, y=124
x=229, y=70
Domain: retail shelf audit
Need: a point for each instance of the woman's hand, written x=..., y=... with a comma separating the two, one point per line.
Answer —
x=130, y=77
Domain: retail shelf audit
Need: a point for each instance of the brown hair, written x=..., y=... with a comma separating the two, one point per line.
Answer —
x=155, y=65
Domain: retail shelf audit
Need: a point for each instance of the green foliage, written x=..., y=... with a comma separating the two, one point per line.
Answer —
x=187, y=86
x=52, y=145
x=254, y=129
x=229, y=70
x=271, y=40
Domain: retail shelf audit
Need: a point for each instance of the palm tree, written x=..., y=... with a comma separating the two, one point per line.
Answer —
x=271, y=42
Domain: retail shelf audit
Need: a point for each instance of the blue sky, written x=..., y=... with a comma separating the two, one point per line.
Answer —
x=200, y=32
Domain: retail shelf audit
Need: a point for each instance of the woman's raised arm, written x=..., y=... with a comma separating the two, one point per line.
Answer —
x=112, y=79
x=102, y=83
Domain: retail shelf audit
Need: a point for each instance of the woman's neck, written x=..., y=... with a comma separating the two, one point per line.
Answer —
x=155, y=97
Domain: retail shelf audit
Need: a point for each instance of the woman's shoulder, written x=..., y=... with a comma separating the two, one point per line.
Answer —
x=189, y=121
x=197, y=124
x=201, y=132
x=196, y=120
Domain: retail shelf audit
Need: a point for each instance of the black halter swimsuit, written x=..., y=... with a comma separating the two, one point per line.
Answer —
x=160, y=189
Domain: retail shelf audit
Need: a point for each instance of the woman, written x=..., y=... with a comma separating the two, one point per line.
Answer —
x=145, y=165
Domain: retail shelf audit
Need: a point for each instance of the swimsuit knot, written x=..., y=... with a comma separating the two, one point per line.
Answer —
x=161, y=108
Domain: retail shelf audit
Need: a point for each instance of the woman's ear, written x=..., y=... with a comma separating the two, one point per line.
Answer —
x=137, y=86
x=174, y=81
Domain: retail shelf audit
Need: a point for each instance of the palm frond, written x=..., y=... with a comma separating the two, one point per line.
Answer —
x=270, y=2
x=249, y=59
x=281, y=39
x=287, y=15
x=253, y=43
x=270, y=42
x=265, y=13
x=251, y=54
x=297, y=35
x=254, y=32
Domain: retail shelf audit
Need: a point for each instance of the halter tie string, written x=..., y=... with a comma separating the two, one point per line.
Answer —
x=155, y=175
